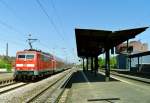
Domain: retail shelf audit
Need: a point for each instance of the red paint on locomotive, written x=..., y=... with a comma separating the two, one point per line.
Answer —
x=34, y=63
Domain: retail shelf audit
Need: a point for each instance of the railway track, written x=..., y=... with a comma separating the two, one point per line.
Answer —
x=144, y=80
x=50, y=88
x=53, y=92
x=6, y=82
x=10, y=87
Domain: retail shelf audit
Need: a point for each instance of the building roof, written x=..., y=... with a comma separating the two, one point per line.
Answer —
x=94, y=42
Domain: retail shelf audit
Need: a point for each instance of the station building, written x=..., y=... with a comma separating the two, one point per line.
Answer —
x=135, y=58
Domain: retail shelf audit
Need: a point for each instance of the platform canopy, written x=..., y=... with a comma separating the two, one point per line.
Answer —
x=92, y=43
x=139, y=54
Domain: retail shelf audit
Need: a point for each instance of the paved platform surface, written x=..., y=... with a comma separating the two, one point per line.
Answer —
x=86, y=88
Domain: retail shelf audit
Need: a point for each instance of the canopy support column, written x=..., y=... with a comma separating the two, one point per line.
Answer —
x=83, y=65
x=96, y=65
x=138, y=64
x=127, y=45
x=130, y=63
x=107, y=65
x=87, y=62
x=91, y=64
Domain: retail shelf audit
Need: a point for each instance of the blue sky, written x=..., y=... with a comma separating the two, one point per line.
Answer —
x=18, y=18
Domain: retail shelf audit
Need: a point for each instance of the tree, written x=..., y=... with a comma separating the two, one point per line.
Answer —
x=101, y=62
x=113, y=62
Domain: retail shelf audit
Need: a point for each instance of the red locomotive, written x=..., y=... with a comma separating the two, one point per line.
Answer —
x=32, y=63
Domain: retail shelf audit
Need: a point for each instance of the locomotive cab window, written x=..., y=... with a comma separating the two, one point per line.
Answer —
x=29, y=56
x=21, y=56
x=25, y=56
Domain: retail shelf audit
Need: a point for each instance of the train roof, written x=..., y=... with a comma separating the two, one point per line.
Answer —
x=34, y=50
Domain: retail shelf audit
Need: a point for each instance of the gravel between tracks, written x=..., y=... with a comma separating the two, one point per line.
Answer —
x=21, y=94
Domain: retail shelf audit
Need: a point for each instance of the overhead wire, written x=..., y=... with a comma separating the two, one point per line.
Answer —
x=5, y=24
x=8, y=7
x=11, y=28
x=18, y=31
x=10, y=40
x=11, y=9
x=14, y=29
x=60, y=21
x=58, y=16
x=13, y=12
x=8, y=26
x=50, y=19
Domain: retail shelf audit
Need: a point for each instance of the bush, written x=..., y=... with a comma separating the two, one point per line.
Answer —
x=113, y=62
x=4, y=63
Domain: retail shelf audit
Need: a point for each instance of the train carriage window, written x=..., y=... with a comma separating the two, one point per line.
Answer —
x=44, y=58
x=29, y=56
x=21, y=56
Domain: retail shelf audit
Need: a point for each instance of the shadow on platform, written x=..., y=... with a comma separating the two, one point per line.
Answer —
x=78, y=77
x=82, y=77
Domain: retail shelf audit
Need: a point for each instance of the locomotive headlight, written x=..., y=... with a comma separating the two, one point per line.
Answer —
x=30, y=65
x=19, y=65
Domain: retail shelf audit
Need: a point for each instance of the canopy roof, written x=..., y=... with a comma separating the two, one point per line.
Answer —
x=139, y=54
x=94, y=42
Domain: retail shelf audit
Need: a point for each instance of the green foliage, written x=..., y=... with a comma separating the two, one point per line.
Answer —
x=113, y=62
x=101, y=62
x=2, y=64
x=5, y=63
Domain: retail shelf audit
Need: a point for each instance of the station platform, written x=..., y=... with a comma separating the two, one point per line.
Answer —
x=85, y=87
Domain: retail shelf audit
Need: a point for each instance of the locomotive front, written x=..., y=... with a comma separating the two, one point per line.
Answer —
x=26, y=64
